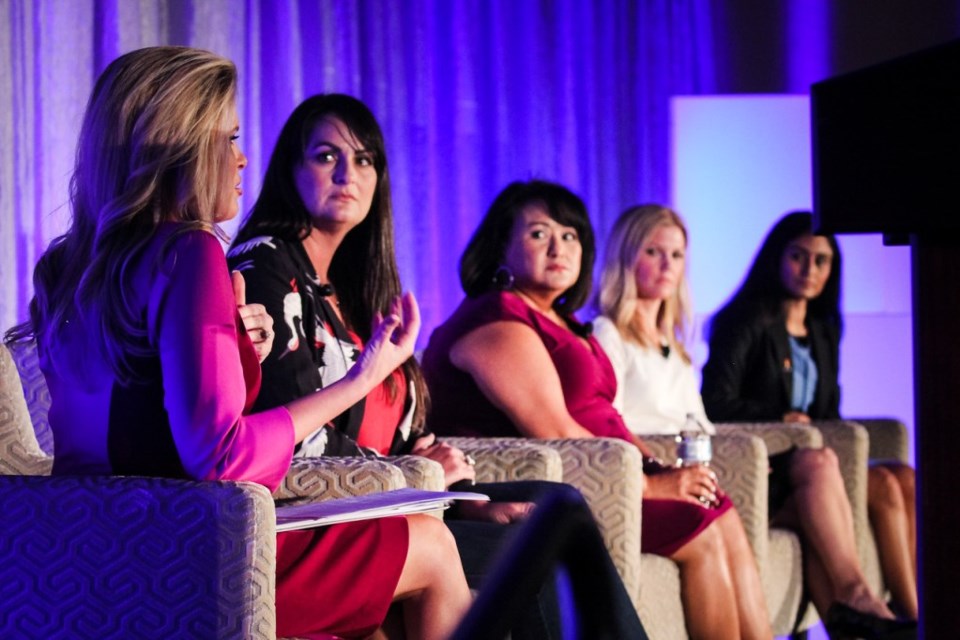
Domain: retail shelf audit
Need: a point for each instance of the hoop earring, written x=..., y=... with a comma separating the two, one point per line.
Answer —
x=503, y=278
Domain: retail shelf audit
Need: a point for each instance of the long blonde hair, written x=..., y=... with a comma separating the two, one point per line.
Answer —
x=154, y=147
x=617, y=296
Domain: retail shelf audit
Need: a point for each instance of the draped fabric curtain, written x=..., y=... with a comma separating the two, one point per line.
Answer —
x=471, y=94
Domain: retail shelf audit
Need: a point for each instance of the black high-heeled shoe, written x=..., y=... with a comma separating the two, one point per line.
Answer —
x=843, y=621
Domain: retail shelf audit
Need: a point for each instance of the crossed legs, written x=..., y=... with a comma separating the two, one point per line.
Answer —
x=818, y=508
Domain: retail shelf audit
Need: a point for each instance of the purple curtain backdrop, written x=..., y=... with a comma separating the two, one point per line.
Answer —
x=471, y=95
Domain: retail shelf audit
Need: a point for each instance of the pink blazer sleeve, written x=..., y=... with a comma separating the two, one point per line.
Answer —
x=192, y=321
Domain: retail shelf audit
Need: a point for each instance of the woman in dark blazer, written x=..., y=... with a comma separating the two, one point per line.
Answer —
x=751, y=376
x=774, y=355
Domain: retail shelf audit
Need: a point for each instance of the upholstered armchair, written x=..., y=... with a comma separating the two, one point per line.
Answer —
x=888, y=437
x=740, y=461
x=855, y=442
x=607, y=472
x=781, y=567
x=126, y=557
x=122, y=557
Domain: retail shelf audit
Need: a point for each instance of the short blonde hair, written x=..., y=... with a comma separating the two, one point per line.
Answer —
x=617, y=297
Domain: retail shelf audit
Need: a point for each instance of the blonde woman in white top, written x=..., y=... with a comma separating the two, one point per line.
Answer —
x=660, y=383
x=645, y=305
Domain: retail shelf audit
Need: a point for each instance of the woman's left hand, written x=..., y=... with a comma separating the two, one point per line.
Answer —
x=256, y=320
x=456, y=464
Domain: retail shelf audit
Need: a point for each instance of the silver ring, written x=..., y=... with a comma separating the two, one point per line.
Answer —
x=469, y=460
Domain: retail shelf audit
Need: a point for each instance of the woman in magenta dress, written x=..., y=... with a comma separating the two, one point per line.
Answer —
x=139, y=332
x=512, y=361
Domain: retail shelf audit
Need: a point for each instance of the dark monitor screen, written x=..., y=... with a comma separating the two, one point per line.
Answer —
x=886, y=146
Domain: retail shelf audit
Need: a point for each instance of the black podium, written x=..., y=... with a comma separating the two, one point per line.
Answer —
x=886, y=158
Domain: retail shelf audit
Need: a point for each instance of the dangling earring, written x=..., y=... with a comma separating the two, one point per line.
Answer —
x=503, y=278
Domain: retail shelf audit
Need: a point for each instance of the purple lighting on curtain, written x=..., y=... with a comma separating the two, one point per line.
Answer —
x=808, y=49
x=471, y=95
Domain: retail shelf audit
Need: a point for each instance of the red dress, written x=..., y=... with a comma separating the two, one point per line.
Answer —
x=189, y=417
x=459, y=407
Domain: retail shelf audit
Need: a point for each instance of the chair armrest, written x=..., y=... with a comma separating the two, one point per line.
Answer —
x=777, y=436
x=420, y=472
x=329, y=477
x=20, y=452
x=889, y=439
x=509, y=459
x=121, y=557
x=609, y=474
x=742, y=467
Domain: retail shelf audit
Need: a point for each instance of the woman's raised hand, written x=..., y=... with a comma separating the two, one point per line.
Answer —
x=256, y=320
x=391, y=342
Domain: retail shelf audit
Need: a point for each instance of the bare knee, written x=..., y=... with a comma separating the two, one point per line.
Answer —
x=732, y=530
x=430, y=537
x=814, y=463
x=906, y=477
x=431, y=553
x=883, y=490
x=707, y=547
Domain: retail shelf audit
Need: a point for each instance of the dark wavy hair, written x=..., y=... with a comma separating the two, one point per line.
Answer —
x=762, y=290
x=487, y=248
x=364, y=268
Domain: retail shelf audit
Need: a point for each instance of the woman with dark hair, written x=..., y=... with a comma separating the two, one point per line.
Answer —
x=138, y=331
x=513, y=361
x=774, y=355
x=317, y=251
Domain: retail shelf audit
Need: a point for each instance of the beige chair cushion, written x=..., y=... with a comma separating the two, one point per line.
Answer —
x=510, y=459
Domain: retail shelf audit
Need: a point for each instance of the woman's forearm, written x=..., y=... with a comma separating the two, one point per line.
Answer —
x=317, y=409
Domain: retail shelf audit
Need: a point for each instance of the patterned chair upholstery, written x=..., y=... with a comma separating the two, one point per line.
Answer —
x=607, y=473
x=510, y=459
x=34, y=391
x=124, y=557
x=106, y=557
x=740, y=461
x=20, y=453
x=855, y=443
x=117, y=557
x=889, y=439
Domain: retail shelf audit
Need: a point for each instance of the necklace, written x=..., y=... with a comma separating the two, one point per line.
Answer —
x=664, y=347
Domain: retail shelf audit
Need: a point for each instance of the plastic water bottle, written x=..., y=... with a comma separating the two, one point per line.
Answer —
x=693, y=444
